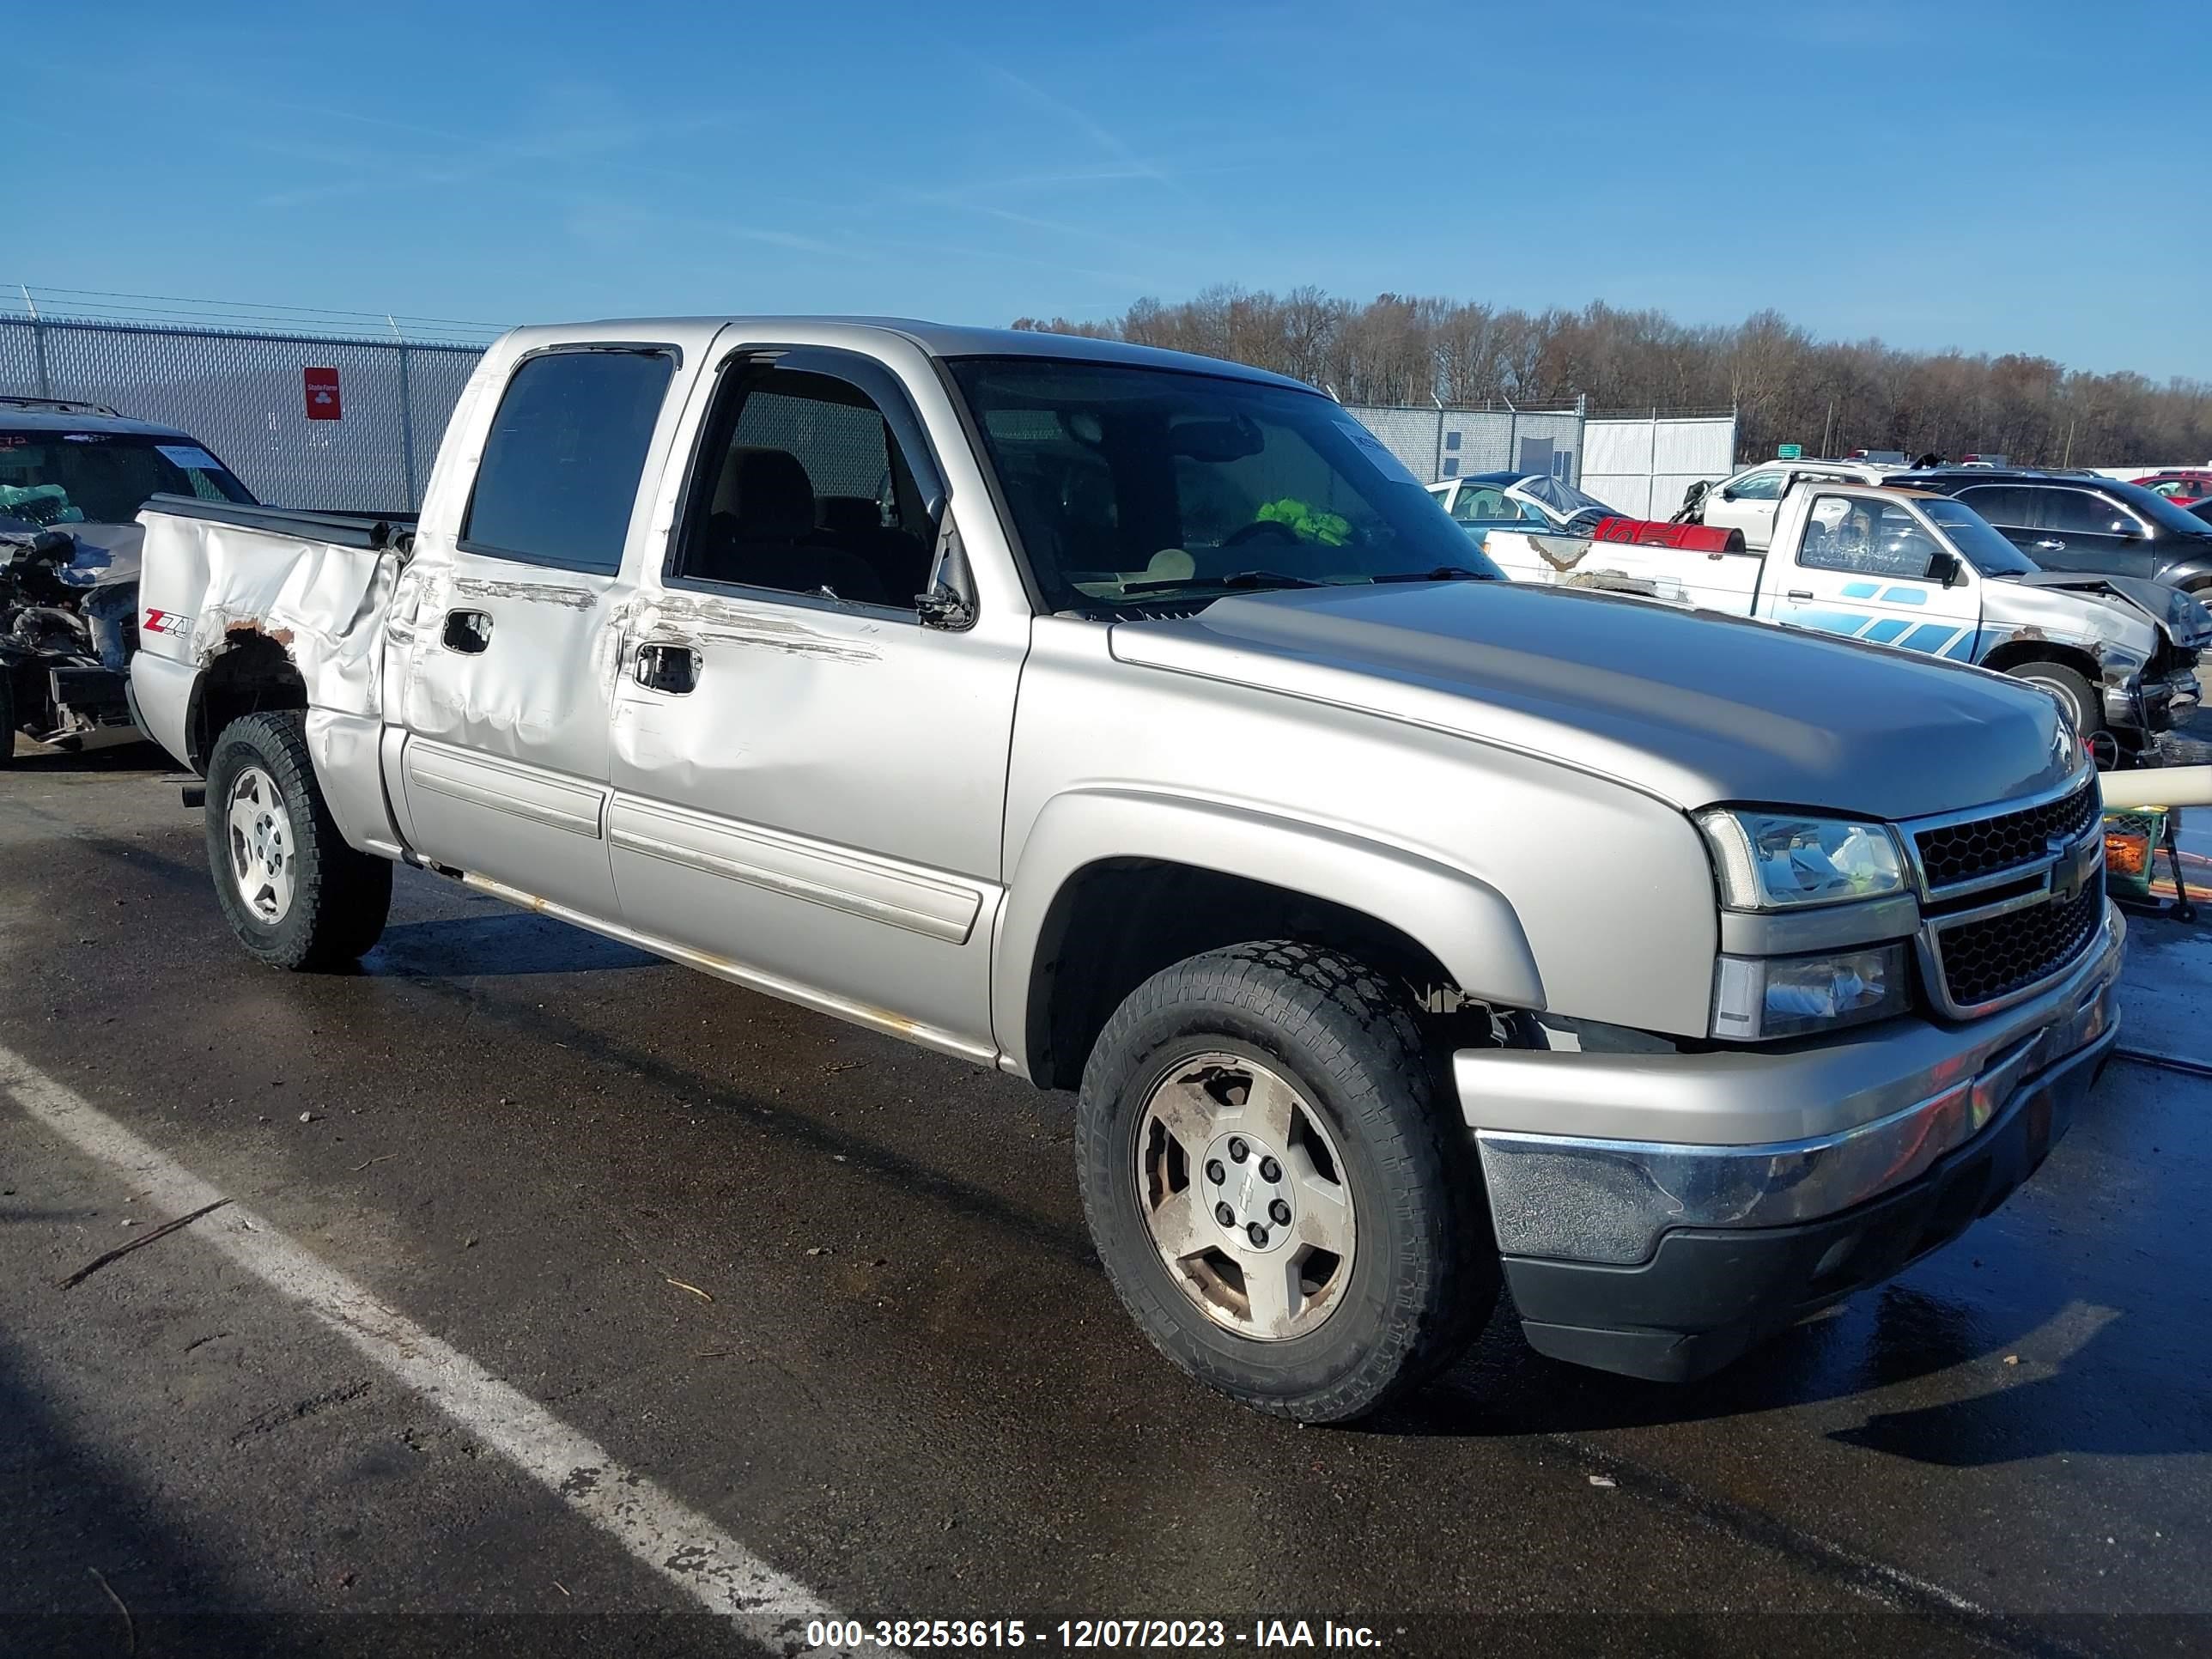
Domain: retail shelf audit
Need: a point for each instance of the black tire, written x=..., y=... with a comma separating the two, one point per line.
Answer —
x=6, y=717
x=1424, y=1273
x=2088, y=705
x=338, y=897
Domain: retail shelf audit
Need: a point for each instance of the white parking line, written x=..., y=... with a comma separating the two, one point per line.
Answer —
x=675, y=1541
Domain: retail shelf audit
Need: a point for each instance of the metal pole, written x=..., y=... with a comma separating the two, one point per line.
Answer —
x=38, y=342
x=407, y=424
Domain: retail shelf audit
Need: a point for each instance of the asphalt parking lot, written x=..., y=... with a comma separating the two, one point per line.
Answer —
x=827, y=1302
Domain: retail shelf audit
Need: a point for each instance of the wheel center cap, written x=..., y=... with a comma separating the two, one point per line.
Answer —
x=1247, y=1194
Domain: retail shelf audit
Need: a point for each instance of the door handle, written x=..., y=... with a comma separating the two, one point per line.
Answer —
x=467, y=631
x=671, y=668
x=1801, y=593
x=2051, y=547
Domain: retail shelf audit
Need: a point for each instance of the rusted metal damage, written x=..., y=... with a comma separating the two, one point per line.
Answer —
x=244, y=630
x=1563, y=554
x=1614, y=581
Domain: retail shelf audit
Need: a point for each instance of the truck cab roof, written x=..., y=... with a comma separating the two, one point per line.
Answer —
x=63, y=415
x=941, y=340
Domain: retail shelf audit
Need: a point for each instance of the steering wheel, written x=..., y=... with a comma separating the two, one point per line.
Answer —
x=1257, y=528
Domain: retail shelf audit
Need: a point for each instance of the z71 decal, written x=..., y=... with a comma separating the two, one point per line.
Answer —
x=170, y=623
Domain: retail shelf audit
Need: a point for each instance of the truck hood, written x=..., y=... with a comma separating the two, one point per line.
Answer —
x=1691, y=707
x=2183, y=621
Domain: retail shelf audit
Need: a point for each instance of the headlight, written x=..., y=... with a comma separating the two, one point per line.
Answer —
x=1775, y=860
x=1761, y=998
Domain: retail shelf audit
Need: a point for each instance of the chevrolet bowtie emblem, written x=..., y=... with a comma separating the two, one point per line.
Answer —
x=2069, y=875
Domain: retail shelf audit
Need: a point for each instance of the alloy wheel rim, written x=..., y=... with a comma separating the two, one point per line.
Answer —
x=262, y=852
x=1243, y=1191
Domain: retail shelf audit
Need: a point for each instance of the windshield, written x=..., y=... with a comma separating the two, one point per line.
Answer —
x=2174, y=521
x=103, y=477
x=1977, y=542
x=1563, y=498
x=1131, y=484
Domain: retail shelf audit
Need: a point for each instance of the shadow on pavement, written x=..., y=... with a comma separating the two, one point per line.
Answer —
x=505, y=942
x=1898, y=1334
x=71, y=1515
x=124, y=757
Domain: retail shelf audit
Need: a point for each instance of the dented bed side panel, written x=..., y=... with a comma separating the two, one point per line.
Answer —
x=210, y=587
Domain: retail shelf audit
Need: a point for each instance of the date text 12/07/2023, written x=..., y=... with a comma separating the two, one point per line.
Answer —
x=1077, y=1634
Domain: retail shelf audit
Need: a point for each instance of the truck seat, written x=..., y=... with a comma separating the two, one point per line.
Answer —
x=763, y=532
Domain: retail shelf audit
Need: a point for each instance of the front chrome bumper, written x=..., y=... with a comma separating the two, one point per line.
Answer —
x=1861, y=1114
x=2156, y=706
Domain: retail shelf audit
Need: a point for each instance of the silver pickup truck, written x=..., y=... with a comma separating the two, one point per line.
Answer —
x=1134, y=724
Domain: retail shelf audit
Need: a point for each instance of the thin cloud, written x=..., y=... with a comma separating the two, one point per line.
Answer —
x=1099, y=134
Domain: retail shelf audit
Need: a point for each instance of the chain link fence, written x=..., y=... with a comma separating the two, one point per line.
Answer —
x=239, y=389
x=243, y=394
x=1448, y=443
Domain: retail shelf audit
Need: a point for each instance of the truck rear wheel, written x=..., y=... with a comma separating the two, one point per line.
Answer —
x=1273, y=1191
x=295, y=893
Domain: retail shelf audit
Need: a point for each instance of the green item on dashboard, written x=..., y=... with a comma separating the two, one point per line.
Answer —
x=1328, y=528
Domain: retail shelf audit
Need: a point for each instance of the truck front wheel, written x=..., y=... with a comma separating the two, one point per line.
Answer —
x=1271, y=1187
x=295, y=893
x=2080, y=697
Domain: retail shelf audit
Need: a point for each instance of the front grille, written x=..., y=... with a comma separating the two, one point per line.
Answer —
x=1999, y=954
x=1967, y=852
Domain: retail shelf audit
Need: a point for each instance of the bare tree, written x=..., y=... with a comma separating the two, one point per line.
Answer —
x=1786, y=386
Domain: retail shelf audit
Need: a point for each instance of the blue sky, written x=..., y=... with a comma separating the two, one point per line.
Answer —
x=1996, y=178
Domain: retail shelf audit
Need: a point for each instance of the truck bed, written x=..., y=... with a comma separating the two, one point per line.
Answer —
x=374, y=532
x=1727, y=582
x=220, y=577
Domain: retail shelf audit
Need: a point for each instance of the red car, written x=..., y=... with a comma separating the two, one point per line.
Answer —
x=2181, y=486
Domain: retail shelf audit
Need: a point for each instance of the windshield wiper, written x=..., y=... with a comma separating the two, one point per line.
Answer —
x=1442, y=572
x=1241, y=579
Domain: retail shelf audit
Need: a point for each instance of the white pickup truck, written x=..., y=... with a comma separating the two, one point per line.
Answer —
x=1746, y=501
x=1134, y=724
x=1920, y=571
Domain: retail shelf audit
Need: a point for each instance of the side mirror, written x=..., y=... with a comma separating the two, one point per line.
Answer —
x=1727, y=494
x=1944, y=568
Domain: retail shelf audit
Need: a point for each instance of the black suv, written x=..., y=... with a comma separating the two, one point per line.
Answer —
x=2067, y=520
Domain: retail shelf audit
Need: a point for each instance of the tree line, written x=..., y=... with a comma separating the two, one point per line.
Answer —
x=1786, y=386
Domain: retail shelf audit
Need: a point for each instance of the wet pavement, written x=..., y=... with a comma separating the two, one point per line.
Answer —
x=834, y=1295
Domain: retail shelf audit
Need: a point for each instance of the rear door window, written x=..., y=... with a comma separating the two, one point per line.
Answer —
x=562, y=465
x=2078, y=512
x=2005, y=504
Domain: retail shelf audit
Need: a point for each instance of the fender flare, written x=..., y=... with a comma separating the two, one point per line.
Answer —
x=1468, y=926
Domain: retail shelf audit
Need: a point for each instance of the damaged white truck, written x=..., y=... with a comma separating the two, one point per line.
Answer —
x=1134, y=724
x=1921, y=572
